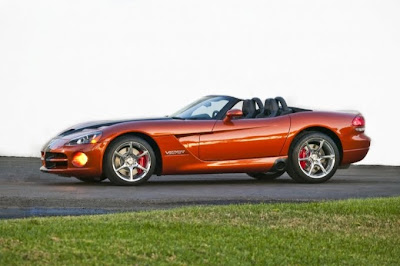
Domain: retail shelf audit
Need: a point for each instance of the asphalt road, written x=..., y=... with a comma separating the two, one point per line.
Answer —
x=25, y=191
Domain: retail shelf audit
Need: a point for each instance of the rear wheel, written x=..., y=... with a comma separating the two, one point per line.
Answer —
x=267, y=176
x=129, y=160
x=313, y=158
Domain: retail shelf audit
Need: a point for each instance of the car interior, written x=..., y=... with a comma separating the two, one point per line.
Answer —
x=272, y=107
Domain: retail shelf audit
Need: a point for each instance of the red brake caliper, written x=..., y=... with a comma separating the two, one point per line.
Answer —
x=142, y=161
x=303, y=154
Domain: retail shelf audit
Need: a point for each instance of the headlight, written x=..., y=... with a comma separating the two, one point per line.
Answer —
x=92, y=137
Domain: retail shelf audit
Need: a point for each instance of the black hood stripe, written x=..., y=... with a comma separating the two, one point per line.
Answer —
x=95, y=125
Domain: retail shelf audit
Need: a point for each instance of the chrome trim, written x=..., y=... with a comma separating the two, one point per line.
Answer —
x=125, y=159
x=320, y=158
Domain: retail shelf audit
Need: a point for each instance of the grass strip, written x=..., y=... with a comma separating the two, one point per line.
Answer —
x=363, y=232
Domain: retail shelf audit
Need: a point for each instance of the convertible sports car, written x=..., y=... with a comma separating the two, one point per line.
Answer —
x=216, y=134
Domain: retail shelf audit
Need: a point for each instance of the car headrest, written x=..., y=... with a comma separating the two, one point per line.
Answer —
x=282, y=103
x=271, y=107
x=249, y=107
x=259, y=104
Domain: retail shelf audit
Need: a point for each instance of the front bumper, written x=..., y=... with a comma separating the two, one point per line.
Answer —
x=57, y=159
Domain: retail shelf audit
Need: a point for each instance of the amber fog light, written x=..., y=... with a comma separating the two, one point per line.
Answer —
x=79, y=159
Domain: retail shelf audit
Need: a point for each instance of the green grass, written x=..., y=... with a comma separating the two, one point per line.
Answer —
x=362, y=232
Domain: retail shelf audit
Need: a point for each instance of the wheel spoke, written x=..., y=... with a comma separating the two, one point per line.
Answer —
x=142, y=154
x=119, y=154
x=131, y=172
x=321, y=144
x=311, y=168
x=322, y=168
x=130, y=150
x=331, y=156
x=121, y=167
x=142, y=168
x=308, y=147
x=304, y=159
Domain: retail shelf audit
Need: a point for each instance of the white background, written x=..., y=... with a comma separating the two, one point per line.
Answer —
x=65, y=62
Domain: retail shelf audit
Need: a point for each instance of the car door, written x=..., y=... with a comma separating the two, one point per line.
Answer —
x=244, y=139
x=200, y=119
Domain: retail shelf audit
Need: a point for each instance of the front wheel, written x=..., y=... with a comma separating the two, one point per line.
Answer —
x=267, y=176
x=313, y=158
x=129, y=160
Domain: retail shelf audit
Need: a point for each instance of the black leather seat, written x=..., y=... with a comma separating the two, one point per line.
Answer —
x=249, y=109
x=283, y=108
x=271, y=108
x=260, y=111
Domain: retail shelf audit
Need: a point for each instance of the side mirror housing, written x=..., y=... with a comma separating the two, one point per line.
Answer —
x=231, y=114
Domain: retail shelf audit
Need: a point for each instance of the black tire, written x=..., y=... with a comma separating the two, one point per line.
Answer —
x=92, y=179
x=310, y=163
x=122, y=151
x=267, y=176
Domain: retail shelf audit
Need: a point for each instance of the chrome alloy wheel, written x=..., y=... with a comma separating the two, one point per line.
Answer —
x=131, y=161
x=316, y=158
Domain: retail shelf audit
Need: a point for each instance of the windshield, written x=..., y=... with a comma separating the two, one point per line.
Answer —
x=204, y=109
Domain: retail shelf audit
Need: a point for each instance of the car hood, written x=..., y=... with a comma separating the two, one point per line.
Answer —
x=95, y=125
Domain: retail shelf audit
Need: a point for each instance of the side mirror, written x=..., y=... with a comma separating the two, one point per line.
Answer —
x=231, y=114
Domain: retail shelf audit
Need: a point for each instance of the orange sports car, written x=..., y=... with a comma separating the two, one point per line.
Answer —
x=216, y=134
